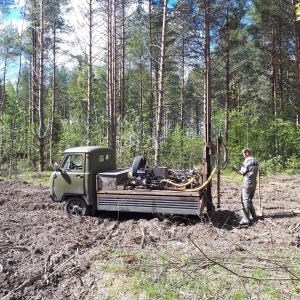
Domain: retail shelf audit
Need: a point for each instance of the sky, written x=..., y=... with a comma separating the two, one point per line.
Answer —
x=14, y=18
x=15, y=15
x=73, y=19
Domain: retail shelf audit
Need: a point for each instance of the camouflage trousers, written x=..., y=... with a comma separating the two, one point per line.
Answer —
x=248, y=192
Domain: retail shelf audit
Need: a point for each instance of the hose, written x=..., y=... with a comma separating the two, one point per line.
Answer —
x=198, y=189
x=192, y=180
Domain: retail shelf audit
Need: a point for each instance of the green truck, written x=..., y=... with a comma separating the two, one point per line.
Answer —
x=88, y=179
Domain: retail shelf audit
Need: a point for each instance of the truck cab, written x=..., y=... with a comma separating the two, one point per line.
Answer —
x=74, y=179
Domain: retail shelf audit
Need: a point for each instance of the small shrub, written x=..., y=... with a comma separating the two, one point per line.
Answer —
x=272, y=166
x=293, y=163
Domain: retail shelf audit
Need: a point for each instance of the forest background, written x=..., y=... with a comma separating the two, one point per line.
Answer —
x=135, y=76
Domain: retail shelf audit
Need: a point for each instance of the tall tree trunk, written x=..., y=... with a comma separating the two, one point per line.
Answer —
x=151, y=95
x=182, y=94
x=111, y=75
x=280, y=75
x=182, y=84
x=159, y=108
x=90, y=76
x=122, y=65
x=34, y=81
x=114, y=77
x=53, y=94
x=273, y=72
x=227, y=85
x=141, y=139
x=207, y=74
x=107, y=95
x=296, y=30
x=197, y=120
x=41, y=133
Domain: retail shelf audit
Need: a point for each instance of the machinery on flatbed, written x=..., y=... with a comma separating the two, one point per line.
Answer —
x=88, y=179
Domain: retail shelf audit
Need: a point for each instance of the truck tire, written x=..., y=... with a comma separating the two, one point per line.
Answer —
x=76, y=207
x=138, y=163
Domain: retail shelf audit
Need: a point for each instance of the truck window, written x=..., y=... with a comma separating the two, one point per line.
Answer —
x=73, y=162
x=104, y=157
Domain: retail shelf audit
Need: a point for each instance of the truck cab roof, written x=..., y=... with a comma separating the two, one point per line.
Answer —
x=88, y=149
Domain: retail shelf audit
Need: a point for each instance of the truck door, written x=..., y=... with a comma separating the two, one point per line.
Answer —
x=70, y=180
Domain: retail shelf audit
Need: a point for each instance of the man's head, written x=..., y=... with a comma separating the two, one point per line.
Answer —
x=246, y=152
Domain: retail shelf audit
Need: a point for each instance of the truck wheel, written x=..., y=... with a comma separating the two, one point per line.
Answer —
x=138, y=163
x=76, y=207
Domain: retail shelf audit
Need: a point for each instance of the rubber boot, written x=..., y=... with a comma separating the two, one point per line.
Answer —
x=246, y=220
x=253, y=215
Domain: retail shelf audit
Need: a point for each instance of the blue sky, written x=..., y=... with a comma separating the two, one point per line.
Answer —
x=171, y=3
x=14, y=15
x=12, y=10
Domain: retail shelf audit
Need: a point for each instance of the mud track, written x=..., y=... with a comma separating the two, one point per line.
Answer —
x=46, y=255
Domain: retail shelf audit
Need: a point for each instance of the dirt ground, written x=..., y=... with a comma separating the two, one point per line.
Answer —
x=46, y=255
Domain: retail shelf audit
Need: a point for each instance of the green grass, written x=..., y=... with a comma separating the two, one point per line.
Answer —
x=154, y=274
x=37, y=178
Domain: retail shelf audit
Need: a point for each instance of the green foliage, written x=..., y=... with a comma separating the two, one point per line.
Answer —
x=72, y=135
x=130, y=142
x=182, y=151
x=298, y=11
x=9, y=43
x=271, y=166
x=266, y=136
x=263, y=100
x=293, y=163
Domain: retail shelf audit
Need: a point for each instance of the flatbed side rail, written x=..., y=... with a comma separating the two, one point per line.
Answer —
x=150, y=202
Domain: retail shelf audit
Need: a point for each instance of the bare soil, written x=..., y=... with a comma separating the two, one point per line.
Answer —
x=46, y=255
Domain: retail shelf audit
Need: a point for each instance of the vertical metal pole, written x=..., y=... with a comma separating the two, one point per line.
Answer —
x=207, y=93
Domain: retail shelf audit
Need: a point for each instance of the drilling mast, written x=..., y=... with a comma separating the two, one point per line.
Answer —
x=207, y=107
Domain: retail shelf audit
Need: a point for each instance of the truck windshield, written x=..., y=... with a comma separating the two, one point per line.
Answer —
x=73, y=162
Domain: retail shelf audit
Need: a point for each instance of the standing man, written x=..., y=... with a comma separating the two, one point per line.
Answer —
x=249, y=170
